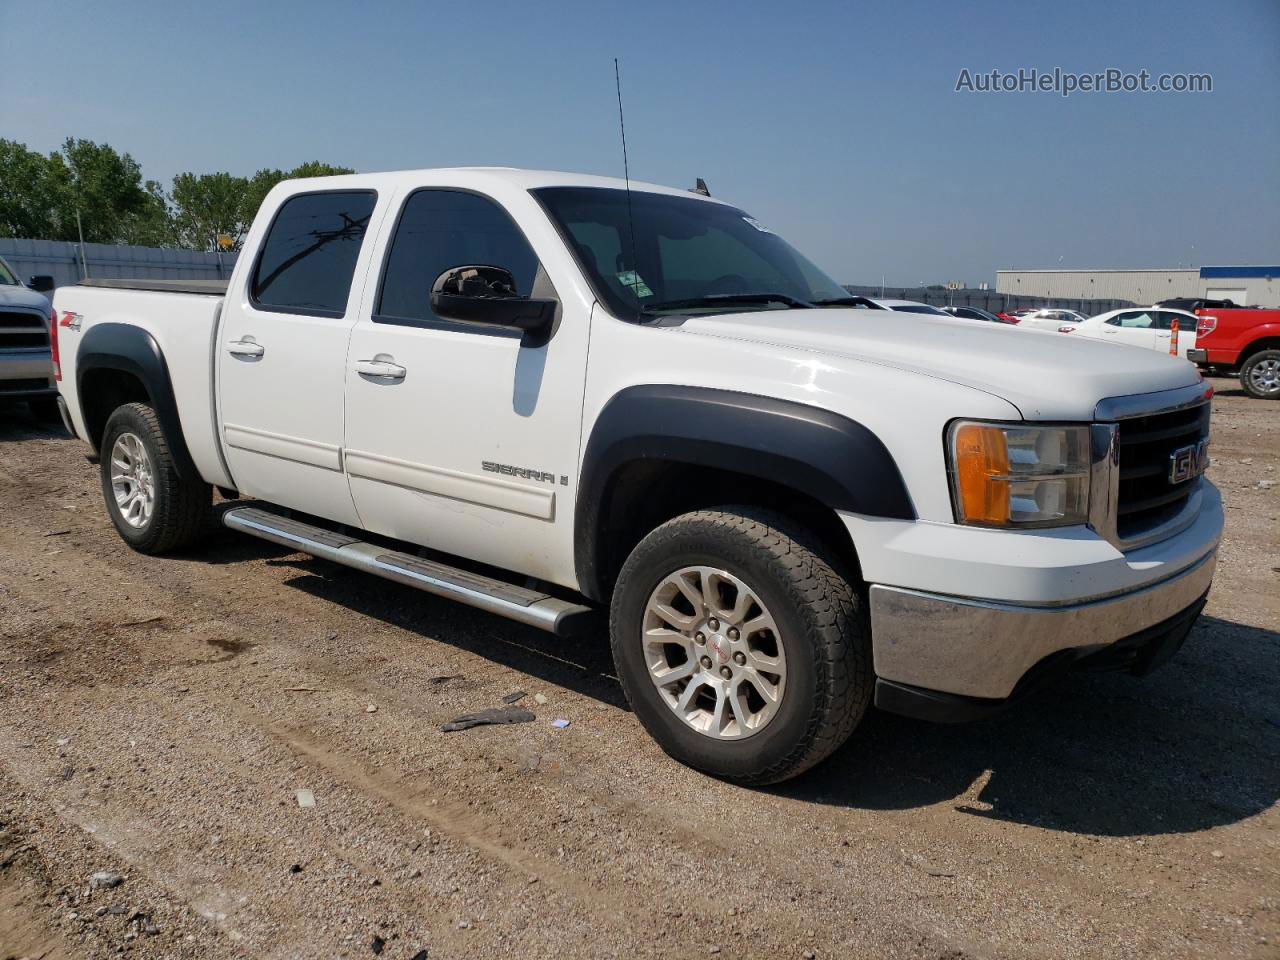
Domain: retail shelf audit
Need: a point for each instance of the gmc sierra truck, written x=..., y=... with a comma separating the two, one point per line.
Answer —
x=545, y=394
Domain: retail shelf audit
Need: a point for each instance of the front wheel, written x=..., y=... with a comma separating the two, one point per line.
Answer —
x=1260, y=375
x=742, y=652
x=154, y=507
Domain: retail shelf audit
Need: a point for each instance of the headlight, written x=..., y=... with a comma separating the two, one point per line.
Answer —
x=1016, y=475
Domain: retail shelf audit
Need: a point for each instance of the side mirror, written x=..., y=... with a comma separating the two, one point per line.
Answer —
x=481, y=294
x=41, y=283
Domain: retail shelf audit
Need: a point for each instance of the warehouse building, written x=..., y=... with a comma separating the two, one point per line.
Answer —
x=1247, y=286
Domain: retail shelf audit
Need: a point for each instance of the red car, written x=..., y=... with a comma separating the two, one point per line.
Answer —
x=1244, y=341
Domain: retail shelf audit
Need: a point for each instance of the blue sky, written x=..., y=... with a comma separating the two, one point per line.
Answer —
x=837, y=124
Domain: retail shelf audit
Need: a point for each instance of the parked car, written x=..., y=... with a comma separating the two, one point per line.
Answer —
x=1013, y=316
x=1141, y=327
x=1243, y=341
x=26, y=365
x=790, y=508
x=973, y=313
x=1197, y=303
x=909, y=306
x=1049, y=319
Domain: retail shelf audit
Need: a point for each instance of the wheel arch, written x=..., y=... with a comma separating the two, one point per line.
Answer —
x=1269, y=342
x=657, y=451
x=117, y=363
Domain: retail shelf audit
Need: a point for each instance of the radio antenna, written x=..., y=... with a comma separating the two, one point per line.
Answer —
x=626, y=173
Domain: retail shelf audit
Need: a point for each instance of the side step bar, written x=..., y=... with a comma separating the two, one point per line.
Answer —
x=531, y=607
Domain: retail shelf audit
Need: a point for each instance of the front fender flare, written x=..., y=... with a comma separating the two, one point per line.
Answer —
x=829, y=457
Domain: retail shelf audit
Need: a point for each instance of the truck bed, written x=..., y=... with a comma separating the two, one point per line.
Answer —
x=209, y=288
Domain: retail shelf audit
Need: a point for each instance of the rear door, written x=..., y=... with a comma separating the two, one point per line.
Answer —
x=282, y=351
x=1165, y=321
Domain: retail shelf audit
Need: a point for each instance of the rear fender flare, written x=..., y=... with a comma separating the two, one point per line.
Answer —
x=132, y=350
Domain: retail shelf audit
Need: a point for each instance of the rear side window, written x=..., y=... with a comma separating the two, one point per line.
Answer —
x=310, y=253
x=440, y=229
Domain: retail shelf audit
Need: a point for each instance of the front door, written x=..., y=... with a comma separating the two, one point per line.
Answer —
x=465, y=437
x=282, y=352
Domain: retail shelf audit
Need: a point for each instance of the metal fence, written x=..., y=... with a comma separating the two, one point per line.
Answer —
x=988, y=300
x=70, y=262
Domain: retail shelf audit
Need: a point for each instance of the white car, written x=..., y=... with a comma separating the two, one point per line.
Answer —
x=791, y=509
x=1150, y=327
x=1050, y=319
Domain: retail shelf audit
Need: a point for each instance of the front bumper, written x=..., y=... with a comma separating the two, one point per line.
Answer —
x=26, y=373
x=985, y=649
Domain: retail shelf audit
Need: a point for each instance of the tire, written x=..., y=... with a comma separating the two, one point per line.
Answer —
x=1260, y=375
x=180, y=508
x=821, y=637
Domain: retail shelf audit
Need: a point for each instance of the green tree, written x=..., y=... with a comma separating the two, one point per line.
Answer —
x=206, y=205
x=27, y=195
x=99, y=184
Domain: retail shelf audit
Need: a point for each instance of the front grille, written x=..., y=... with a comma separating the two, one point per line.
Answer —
x=1147, y=498
x=20, y=329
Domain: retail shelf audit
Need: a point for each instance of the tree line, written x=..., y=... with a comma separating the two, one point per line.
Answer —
x=42, y=195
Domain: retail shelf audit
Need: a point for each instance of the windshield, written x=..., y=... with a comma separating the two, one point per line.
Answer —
x=690, y=255
x=6, y=275
x=918, y=308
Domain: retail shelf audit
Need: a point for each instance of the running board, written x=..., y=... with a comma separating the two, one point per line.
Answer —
x=485, y=593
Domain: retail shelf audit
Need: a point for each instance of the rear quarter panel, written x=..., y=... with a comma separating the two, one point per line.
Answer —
x=1236, y=330
x=184, y=326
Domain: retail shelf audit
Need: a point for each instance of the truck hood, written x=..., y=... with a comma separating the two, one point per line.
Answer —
x=12, y=297
x=1046, y=375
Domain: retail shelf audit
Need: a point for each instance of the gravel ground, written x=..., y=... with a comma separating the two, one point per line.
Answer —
x=158, y=716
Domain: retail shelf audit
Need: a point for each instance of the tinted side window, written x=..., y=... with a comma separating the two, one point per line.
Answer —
x=1141, y=320
x=310, y=253
x=440, y=229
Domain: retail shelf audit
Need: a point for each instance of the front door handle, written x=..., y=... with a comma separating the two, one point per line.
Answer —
x=247, y=347
x=382, y=369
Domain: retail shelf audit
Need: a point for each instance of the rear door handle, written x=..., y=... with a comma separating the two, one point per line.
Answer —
x=382, y=369
x=247, y=347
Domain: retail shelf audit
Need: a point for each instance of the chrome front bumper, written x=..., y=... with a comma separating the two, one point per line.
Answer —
x=980, y=648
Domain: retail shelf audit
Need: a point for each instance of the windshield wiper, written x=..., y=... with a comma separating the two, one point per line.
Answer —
x=716, y=299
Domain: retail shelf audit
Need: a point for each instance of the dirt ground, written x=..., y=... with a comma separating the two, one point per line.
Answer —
x=158, y=716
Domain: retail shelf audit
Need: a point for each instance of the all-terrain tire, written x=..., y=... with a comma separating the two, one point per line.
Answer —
x=1251, y=378
x=822, y=626
x=182, y=506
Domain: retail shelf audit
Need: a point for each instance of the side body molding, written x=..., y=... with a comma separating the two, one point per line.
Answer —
x=132, y=350
x=829, y=457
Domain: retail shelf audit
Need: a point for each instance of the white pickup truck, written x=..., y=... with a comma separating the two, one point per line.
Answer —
x=542, y=394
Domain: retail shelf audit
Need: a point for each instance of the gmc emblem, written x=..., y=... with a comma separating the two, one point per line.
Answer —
x=1188, y=462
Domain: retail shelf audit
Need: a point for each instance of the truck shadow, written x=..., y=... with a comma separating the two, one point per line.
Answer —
x=1195, y=745
x=584, y=665
x=17, y=423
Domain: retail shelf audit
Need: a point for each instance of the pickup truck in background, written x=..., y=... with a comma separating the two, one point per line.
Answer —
x=1243, y=341
x=543, y=394
x=26, y=364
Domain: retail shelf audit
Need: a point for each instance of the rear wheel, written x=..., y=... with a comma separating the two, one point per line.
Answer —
x=154, y=508
x=1260, y=375
x=740, y=649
